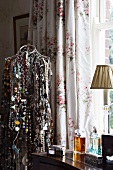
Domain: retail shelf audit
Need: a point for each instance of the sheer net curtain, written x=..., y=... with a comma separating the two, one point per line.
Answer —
x=60, y=29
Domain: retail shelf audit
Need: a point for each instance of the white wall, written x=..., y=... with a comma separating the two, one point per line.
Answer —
x=8, y=10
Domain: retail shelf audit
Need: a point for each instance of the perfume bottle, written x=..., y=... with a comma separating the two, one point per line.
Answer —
x=95, y=142
x=79, y=141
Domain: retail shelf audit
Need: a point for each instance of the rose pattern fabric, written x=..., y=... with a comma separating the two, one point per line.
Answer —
x=62, y=32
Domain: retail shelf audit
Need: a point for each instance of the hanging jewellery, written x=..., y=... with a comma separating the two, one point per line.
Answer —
x=30, y=113
x=42, y=136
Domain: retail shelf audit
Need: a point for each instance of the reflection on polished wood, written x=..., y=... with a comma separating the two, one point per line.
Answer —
x=71, y=161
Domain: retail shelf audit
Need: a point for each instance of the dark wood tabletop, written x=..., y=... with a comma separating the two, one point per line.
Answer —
x=71, y=161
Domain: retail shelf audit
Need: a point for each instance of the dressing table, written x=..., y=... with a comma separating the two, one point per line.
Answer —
x=41, y=161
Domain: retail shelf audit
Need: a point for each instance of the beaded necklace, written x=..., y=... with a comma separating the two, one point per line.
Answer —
x=30, y=122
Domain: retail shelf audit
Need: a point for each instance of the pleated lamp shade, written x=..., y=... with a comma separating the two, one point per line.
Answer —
x=103, y=77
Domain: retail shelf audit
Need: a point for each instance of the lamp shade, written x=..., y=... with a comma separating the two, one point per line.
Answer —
x=103, y=77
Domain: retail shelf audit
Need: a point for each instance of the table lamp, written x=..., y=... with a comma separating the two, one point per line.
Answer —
x=103, y=79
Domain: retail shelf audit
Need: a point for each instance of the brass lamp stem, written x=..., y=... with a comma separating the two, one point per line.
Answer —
x=106, y=103
x=106, y=97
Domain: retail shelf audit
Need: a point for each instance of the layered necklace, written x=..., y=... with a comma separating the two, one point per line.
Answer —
x=30, y=122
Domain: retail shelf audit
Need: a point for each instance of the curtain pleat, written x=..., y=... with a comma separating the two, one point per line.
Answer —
x=60, y=29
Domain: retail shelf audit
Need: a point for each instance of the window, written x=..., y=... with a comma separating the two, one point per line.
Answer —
x=102, y=51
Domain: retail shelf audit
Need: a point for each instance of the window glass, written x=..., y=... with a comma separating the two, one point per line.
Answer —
x=108, y=10
x=109, y=60
x=108, y=53
x=109, y=46
x=102, y=50
x=106, y=15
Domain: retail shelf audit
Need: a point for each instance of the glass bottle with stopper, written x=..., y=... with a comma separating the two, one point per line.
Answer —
x=95, y=142
x=79, y=141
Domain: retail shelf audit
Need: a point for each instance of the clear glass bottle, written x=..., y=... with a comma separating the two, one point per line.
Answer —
x=79, y=141
x=95, y=142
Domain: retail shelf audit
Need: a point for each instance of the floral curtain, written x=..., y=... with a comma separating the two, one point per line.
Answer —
x=60, y=29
